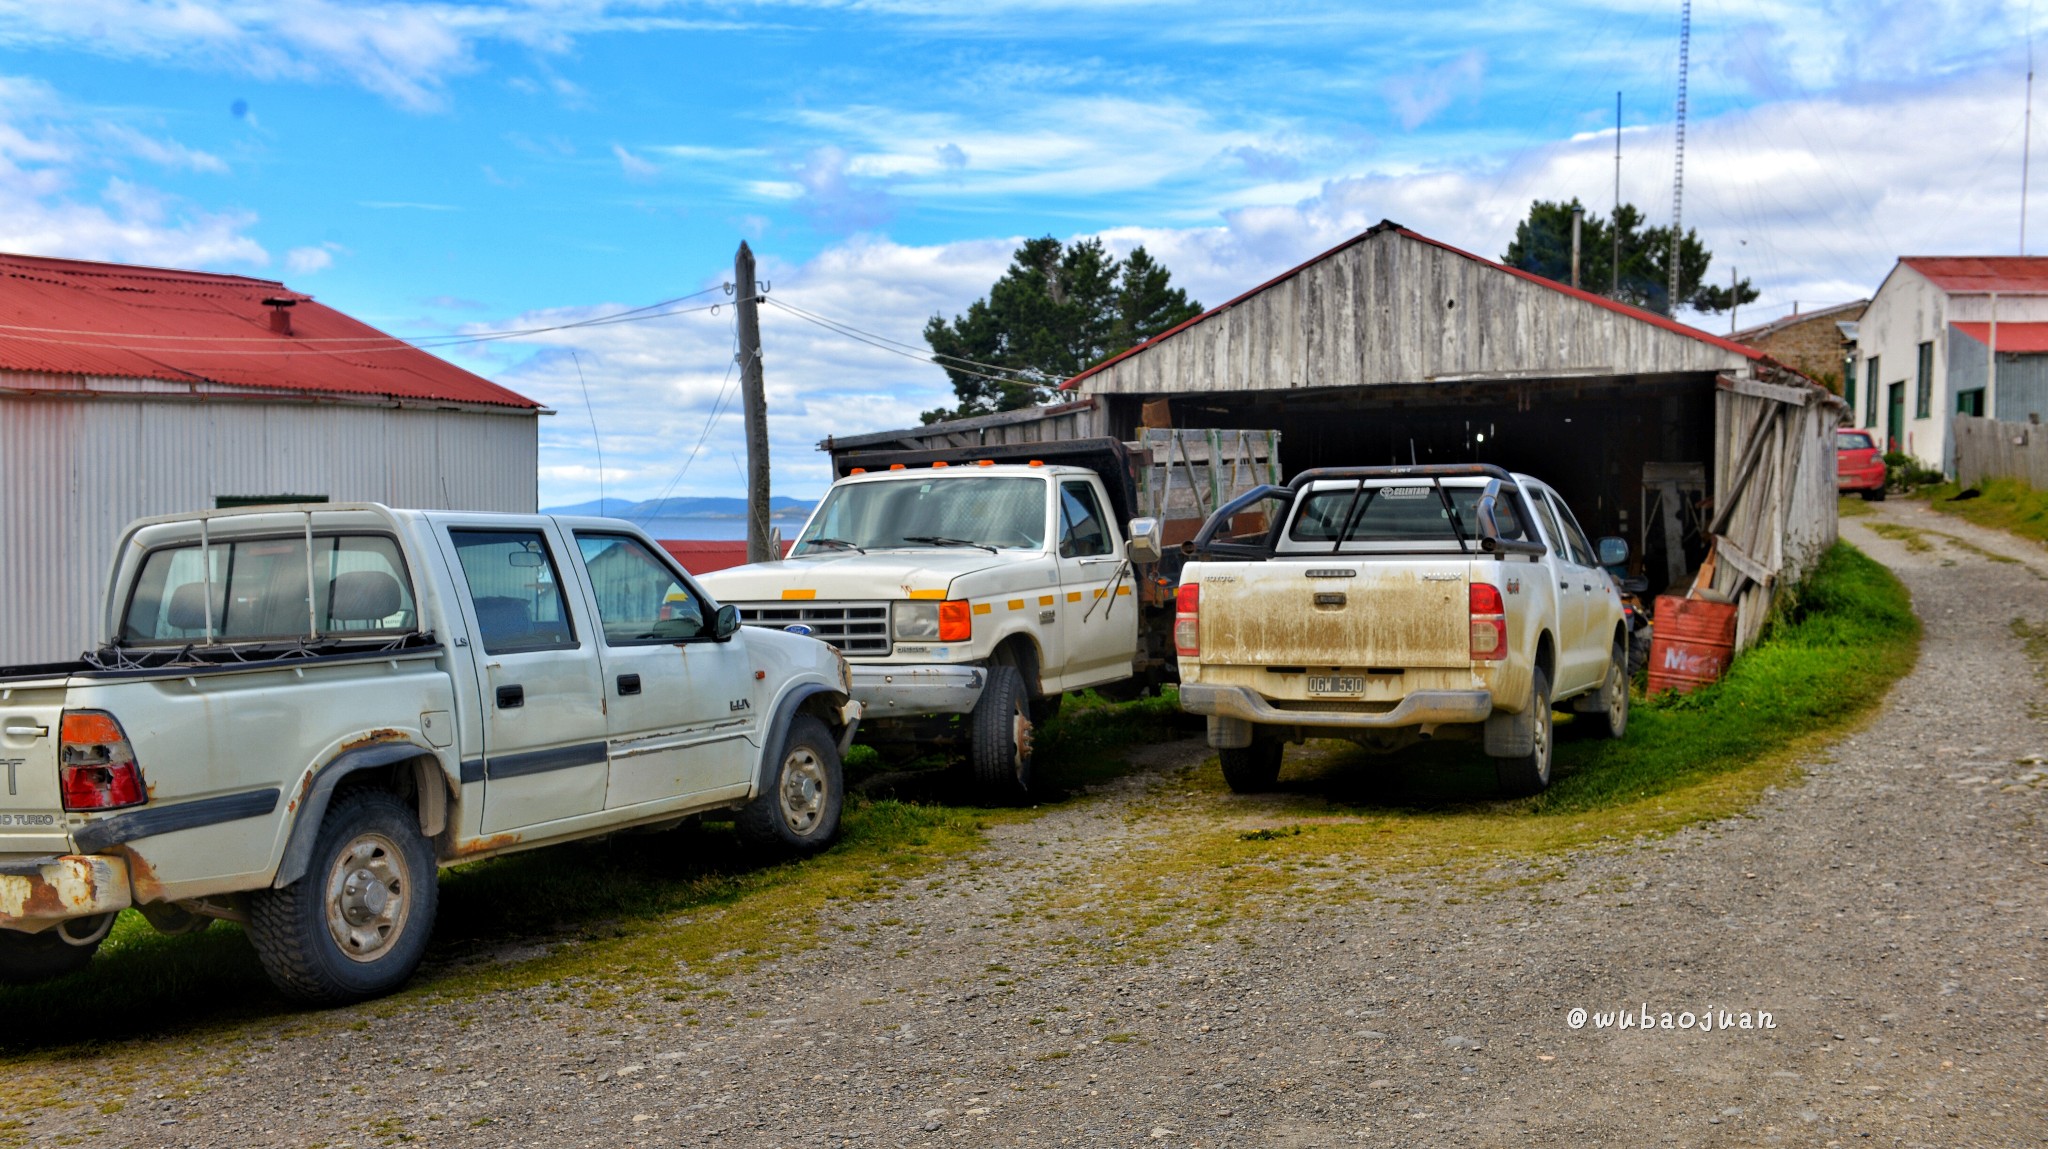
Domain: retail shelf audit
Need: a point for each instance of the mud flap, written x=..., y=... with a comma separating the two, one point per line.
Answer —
x=1229, y=733
x=1510, y=735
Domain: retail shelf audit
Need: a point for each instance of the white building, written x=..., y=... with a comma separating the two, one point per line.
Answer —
x=1922, y=350
x=131, y=391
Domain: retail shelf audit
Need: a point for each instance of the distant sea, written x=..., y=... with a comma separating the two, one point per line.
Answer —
x=693, y=518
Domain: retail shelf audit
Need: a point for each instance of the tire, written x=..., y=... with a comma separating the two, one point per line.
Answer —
x=1525, y=774
x=1252, y=769
x=1604, y=713
x=797, y=811
x=29, y=958
x=1638, y=651
x=356, y=925
x=999, y=738
x=1876, y=496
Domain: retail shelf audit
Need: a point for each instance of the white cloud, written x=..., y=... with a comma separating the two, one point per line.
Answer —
x=633, y=166
x=47, y=155
x=1418, y=96
x=307, y=260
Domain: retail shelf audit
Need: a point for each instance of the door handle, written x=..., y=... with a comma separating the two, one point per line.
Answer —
x=27, y=731
x=511, y=697
x=629, y=684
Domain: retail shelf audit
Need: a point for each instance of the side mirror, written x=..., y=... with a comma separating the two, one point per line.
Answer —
x=725, y=623
x=1613, y=551
x=1145, y=536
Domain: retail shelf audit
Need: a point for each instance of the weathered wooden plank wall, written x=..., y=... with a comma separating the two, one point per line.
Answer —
x=1394, y=309
x=1774, y=492
x=1991, y=449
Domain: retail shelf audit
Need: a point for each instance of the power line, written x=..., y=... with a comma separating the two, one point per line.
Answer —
x=896, y=347
x=717, y=409
x=376, y=343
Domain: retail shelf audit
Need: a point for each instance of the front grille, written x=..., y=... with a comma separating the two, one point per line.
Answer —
x=856, y=628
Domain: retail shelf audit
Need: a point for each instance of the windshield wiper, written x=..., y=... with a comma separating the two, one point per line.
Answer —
x=836, y=544
x=943, y=541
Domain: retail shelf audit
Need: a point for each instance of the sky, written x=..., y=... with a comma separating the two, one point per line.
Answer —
x=437, y=168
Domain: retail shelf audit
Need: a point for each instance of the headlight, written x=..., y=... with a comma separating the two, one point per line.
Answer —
x=914, y=619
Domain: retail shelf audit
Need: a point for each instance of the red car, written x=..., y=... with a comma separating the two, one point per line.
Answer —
x=1859, y=465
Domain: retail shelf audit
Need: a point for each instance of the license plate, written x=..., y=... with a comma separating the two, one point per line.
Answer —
x=1335, y=684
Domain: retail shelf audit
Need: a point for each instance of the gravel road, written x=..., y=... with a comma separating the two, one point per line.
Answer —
x=1889, y=915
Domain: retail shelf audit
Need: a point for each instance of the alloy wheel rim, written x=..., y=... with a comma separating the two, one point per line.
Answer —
x=367, y=897
x=803, y=790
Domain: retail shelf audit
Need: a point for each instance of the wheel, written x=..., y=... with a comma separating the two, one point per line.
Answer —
x=1874, y=496
x=999, y=737
x=356, y=925
x=797, y=811
x=1604, y=713
x=1528, y=773
x=29, y=958
x=1638, y=651
x=1252, y=769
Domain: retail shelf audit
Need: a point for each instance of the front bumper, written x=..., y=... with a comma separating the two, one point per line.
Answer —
x=1422, y=708
x=907, y=691
x=40, y=892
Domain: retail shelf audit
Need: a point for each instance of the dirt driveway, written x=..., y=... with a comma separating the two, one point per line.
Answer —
x=1873, y=942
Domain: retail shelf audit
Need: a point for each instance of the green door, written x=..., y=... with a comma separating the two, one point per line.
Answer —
x=1895, y=417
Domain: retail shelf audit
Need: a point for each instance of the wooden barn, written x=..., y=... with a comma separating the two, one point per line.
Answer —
x=1396, y=348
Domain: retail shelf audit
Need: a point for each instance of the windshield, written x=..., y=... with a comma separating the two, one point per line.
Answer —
x=940, y=511
x=1853, y=441
x=1396, y=515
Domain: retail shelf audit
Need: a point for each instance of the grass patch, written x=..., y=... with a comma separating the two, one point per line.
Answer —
x=1851, y=506
x=662, y=913
x=1915, y=540
x=1348, y=825
x=2002, y=504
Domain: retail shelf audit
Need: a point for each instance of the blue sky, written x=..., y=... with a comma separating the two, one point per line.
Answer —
x=449, y=167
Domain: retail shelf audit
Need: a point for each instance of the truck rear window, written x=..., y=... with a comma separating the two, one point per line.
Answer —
x=260, y=591
x=1398, y=515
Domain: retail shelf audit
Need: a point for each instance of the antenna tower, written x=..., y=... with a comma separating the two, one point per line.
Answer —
x=2026, y=139
x=1678, y=180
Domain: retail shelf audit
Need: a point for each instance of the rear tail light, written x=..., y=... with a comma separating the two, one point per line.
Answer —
x=1489, y=623
x=1187, y=620
x=96, y=768
x=956, y=620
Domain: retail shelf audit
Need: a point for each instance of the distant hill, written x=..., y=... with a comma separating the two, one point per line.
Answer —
x=677, y=507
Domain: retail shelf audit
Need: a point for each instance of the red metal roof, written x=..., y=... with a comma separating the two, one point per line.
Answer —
x=70, y=317
x=2014, y=337
x=702, y=556
x=1975, y=273
x=1390, y=225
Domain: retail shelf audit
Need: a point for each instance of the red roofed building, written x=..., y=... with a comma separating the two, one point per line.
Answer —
x=1926, y=345
x=131, y=391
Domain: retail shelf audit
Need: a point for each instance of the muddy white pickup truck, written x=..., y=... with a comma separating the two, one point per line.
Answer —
x=1392, y=604
x=298, y=715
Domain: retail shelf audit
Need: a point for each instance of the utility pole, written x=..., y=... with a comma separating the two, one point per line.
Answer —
x=1735, y=298
x=754, y=402
x=1614, y=267
x=1578, y=220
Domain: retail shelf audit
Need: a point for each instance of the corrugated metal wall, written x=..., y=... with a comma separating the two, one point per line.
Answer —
x=74, y=472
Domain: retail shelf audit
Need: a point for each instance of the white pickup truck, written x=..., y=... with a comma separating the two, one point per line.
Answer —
x=1392, y=604
x=299, y=715
x=969, y=593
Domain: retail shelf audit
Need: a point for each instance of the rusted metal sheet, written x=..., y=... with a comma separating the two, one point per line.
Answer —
x=67, y=887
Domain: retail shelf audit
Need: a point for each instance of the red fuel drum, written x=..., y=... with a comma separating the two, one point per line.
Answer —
x=1691, y=643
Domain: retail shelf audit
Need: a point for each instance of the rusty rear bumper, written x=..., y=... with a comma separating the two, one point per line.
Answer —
x=40, y=892
x=1422, y=708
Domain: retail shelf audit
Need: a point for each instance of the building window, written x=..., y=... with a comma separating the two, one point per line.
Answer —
x=1871, y=387
x=1849, y=385
x=1970, y=402
x=1923, y=400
